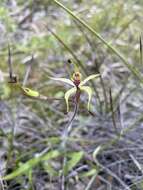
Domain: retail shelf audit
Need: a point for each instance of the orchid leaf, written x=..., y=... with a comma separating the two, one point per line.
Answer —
x=75, y=157
x=29, y=92
x=89, y=78
x=68, y=94
x=68, y=81
x=24, y=167
x=88, y=90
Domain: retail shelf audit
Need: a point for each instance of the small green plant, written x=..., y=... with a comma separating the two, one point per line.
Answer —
x=16, y=86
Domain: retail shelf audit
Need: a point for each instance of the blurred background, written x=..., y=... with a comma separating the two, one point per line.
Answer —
x=104, y=148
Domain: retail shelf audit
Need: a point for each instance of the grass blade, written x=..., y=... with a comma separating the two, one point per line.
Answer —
x=141, y=51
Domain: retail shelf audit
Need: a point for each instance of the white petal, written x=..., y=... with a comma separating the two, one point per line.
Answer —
x=89, y=78
x=65, y=80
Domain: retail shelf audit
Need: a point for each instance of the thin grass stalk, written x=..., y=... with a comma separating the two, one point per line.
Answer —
x=112, y=110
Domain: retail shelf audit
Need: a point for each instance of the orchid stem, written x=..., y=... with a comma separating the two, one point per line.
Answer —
x=65, y=135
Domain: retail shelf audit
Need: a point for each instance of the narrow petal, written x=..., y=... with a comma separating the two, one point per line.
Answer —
x=89, y=78
x=68, y=81
x=68, y=94
x=88, y=90
x=29, y=92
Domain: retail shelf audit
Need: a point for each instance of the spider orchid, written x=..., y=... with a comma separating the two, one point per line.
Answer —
x=78, y=86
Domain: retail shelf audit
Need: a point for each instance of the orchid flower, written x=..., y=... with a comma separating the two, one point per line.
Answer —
x=78, y=85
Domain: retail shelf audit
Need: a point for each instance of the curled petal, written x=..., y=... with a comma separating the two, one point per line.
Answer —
x=89, y=78
x=68, y=81
x=88, y=90
x=68, y=94
x=30, y=93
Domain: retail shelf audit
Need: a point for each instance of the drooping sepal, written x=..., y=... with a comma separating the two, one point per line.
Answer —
x=68, y=94
x=88, y=90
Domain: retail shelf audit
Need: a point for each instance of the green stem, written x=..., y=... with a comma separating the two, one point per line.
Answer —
x=130, y=67
x=65, y=136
